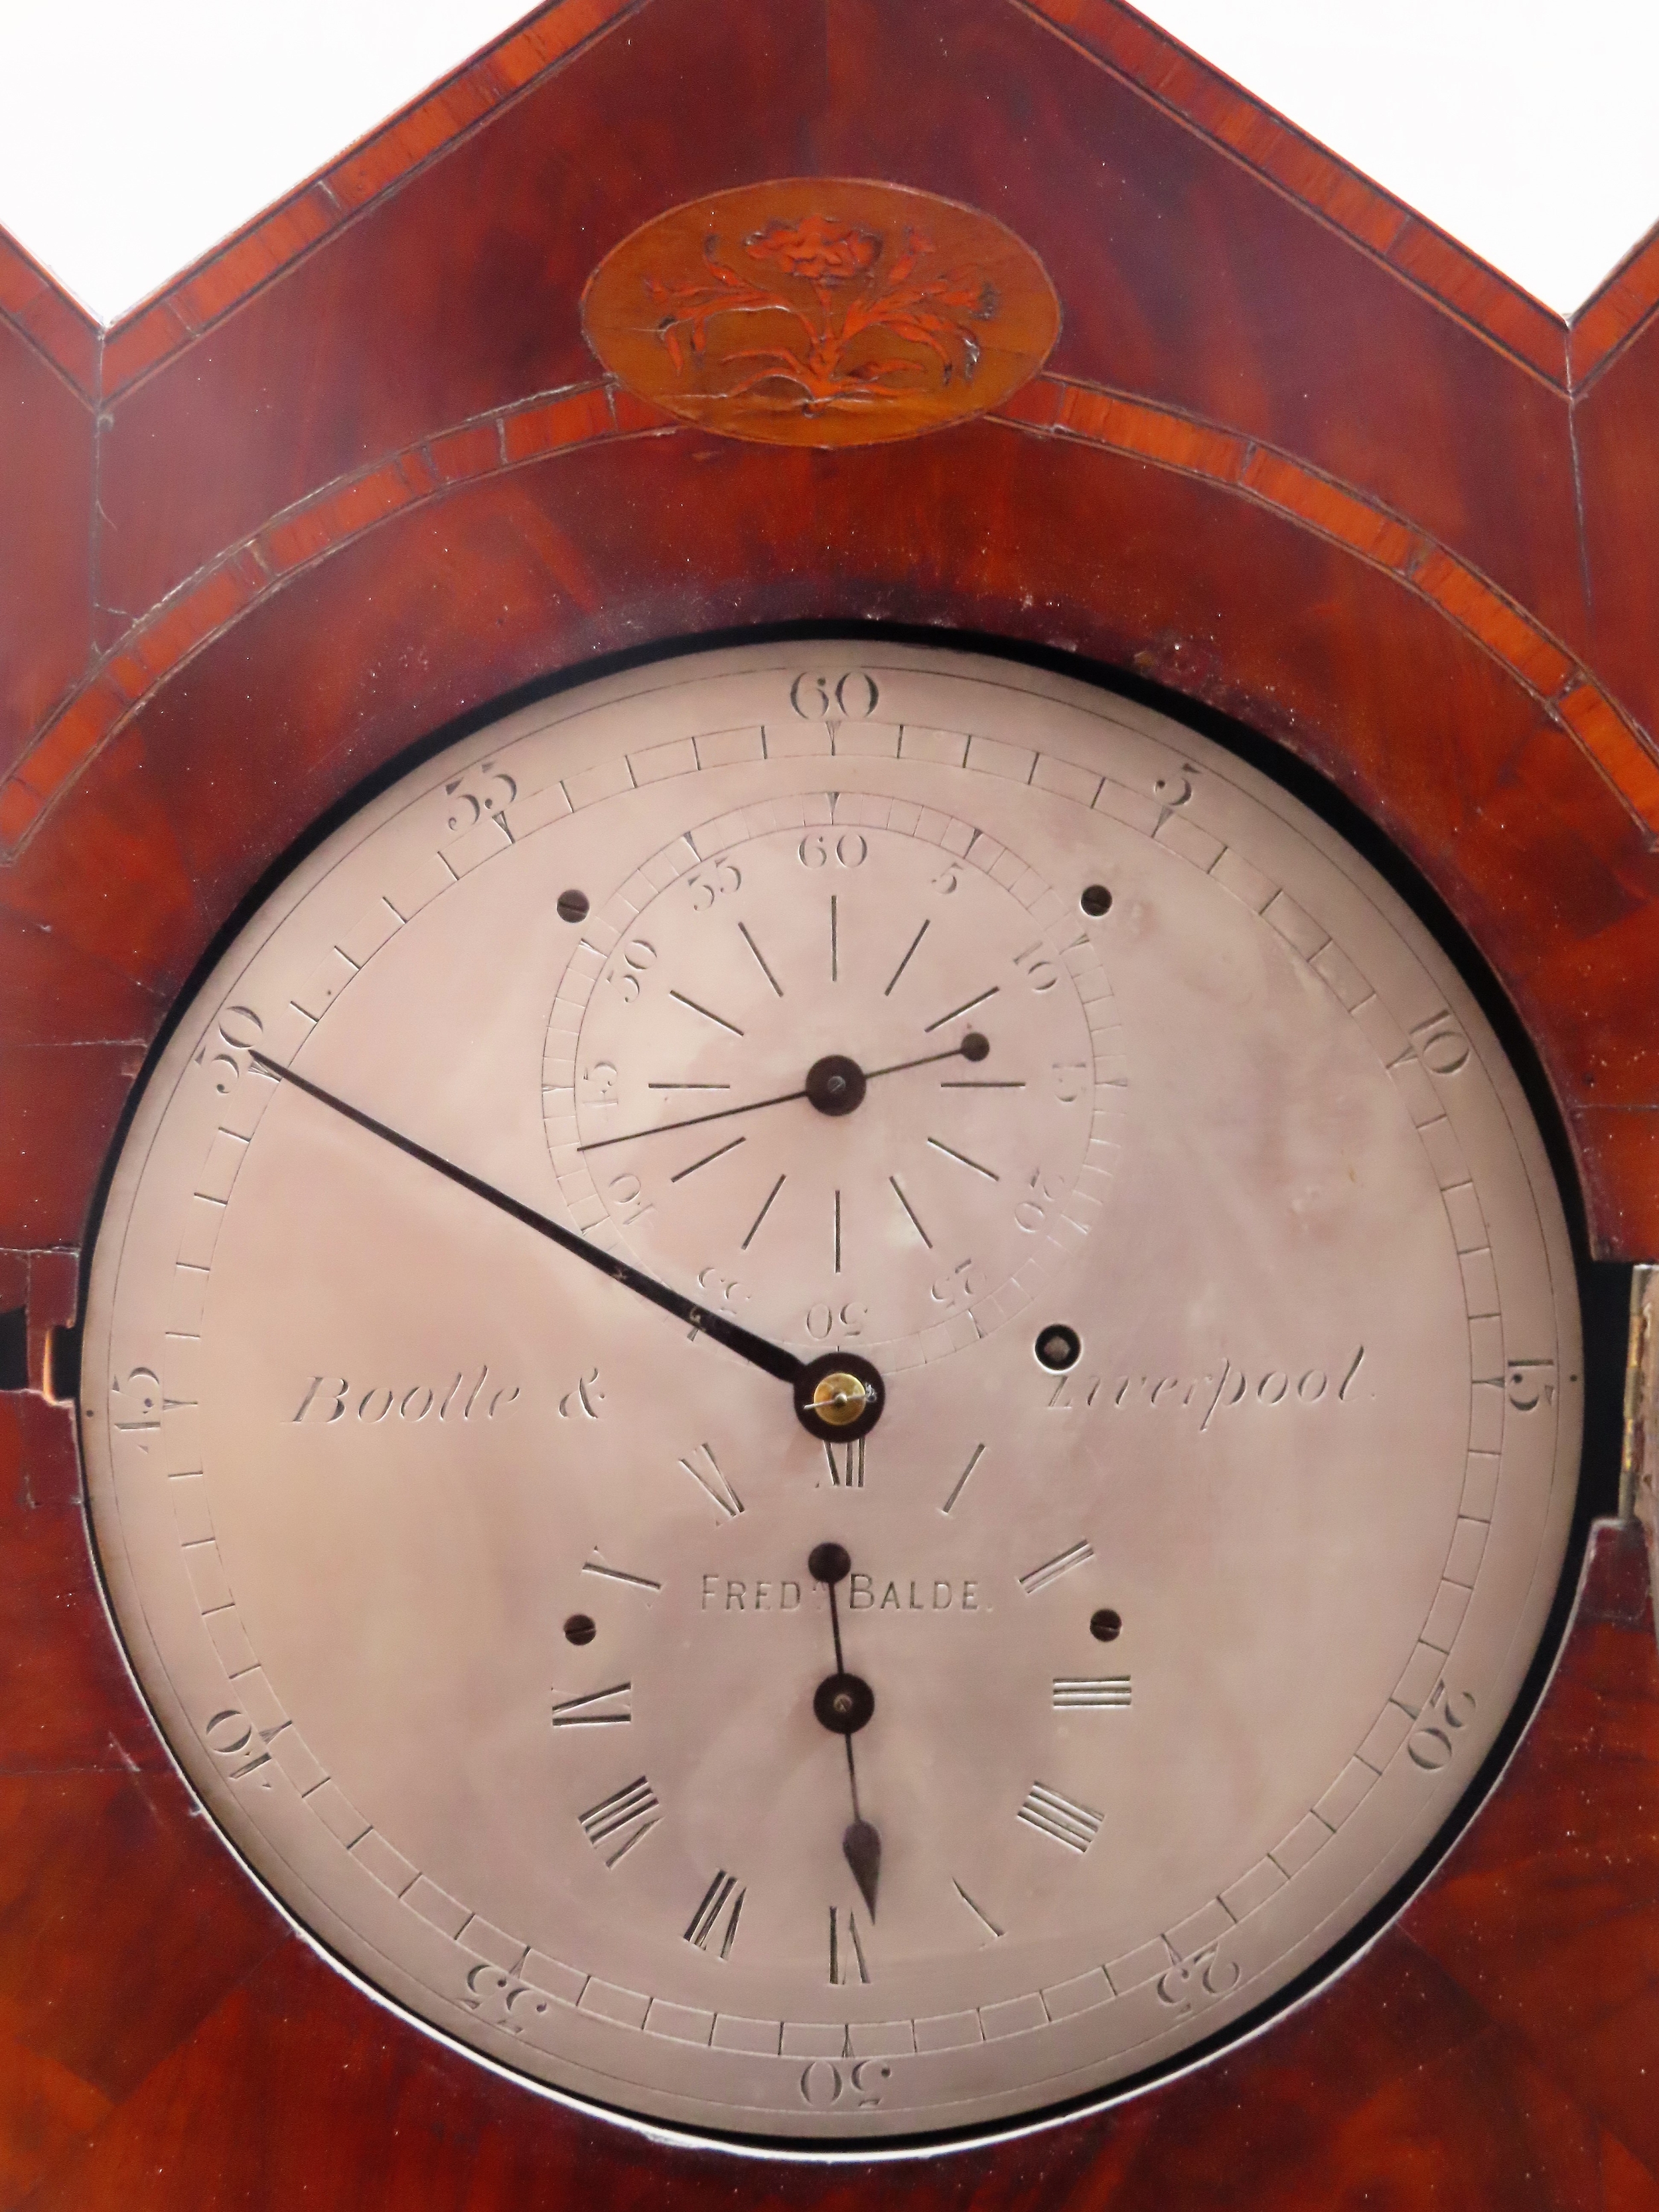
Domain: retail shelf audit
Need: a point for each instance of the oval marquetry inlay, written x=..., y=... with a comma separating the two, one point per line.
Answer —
x=814, y=311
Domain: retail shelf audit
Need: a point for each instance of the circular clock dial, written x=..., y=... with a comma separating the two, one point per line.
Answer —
x=831, y=1392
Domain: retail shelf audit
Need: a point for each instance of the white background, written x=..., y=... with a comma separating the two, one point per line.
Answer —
x=137, y=133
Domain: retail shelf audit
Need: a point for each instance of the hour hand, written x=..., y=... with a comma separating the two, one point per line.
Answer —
x=844, y=1703
x=861, y=1848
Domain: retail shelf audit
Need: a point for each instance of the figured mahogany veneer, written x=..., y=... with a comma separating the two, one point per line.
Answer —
x=1294, y=457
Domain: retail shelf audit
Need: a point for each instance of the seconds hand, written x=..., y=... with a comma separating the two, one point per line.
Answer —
x=747, y=1346
x=836, y=1086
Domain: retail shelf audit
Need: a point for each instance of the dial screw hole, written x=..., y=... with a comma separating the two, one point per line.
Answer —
x=1059, y=1347
x=580, y=1629
x=974, y=1045
x=573, y=906
x=1106, y=1627
x=1095, y=901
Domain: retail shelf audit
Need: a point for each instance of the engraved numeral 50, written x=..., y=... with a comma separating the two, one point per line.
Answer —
x=850, y=850
x=638, y=955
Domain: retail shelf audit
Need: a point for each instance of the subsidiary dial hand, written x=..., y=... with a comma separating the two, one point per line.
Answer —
x=844, y=1703
x=772, y=1357
x=835, y=1084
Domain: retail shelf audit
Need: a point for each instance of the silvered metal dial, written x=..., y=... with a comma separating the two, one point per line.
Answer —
x=1191, y=1319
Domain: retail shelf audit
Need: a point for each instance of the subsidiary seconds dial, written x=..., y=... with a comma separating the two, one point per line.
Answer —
x=831, y=1393
x=855, y=1071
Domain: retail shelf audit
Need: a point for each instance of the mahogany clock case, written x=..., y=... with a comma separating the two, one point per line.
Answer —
x=1603, y=1288
x=1295, y=455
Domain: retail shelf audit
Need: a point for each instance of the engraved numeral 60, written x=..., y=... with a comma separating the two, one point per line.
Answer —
x=638, y=955
x=854, y=696
x=850, y=850
x=823, y=2083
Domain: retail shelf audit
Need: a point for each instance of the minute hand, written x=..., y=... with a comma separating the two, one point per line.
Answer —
x=747, y=1346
